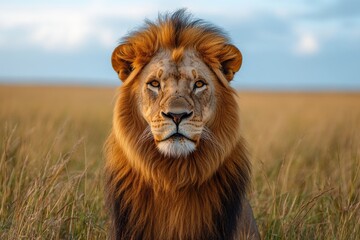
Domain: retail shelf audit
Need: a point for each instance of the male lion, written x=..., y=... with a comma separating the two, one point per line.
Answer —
x=176, y=165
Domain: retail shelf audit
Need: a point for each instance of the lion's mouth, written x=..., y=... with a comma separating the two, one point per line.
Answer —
x=177, y=136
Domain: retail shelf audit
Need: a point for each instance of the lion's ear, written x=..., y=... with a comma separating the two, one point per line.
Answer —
x=122, y=60
x=230, y=60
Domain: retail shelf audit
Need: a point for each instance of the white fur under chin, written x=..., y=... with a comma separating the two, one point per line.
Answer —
x=176, y=148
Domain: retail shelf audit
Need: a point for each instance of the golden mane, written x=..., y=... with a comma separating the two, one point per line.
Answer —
x=152, y=196
x=177, y=32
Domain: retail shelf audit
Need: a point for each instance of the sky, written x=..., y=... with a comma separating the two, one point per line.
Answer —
x=296, y=45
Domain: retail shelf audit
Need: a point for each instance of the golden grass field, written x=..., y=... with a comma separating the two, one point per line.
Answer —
x=305, y=150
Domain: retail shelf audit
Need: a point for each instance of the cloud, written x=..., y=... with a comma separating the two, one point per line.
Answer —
x=68, y=27
x=63, y=28
x=307, y=45
x=341, y=9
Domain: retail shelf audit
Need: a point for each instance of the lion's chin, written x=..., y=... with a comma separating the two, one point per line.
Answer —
x=176, y=147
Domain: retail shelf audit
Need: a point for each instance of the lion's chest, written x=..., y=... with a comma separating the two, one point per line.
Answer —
x=180, y=215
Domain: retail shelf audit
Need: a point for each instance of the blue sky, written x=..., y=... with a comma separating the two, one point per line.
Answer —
x=305, y=45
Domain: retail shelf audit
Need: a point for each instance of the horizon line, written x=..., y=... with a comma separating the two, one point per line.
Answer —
x=240, y=89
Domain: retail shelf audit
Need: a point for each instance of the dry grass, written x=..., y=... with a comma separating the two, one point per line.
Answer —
x=305, y=150
x=306, y=157
x=51, y=162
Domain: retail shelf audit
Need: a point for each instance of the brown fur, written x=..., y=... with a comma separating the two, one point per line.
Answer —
x=177, y=33
x=152, y=196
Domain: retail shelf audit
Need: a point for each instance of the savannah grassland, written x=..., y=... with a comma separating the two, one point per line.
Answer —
x=305, y=151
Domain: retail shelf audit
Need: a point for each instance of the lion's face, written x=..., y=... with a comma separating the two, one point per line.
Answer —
x=176, y=117
x=177, y=100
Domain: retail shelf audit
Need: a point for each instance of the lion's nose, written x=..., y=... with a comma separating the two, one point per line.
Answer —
x=177, y=117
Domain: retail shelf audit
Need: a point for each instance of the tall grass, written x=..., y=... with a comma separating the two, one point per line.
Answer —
x=306, y=157
x=51, y=162
x=305, y=150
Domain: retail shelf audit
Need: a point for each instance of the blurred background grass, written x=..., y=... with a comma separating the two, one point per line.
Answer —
x=305, y=150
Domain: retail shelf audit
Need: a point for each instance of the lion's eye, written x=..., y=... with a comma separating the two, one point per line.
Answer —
x=199, y=84
x=154, y=83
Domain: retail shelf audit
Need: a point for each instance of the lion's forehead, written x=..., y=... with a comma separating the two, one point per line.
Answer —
x=189, y=67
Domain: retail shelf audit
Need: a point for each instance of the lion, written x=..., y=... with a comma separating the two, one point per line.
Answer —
x=176, y=165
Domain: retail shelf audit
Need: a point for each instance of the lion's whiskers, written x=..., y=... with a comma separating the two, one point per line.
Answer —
x=209, y=137
x=145, y=135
